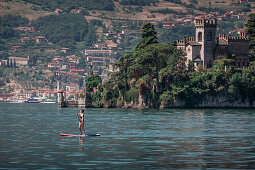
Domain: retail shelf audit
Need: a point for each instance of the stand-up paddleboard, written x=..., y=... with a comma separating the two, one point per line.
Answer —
x=61, y=134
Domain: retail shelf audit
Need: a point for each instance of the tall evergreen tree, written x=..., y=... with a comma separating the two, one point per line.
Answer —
x=251, y=30
x=149, y=36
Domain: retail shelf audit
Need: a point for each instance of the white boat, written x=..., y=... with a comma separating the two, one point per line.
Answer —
x=32, y=100
x=16, y=101
x=48, y=101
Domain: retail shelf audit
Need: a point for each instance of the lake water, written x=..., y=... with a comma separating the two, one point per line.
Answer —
x=130, y=139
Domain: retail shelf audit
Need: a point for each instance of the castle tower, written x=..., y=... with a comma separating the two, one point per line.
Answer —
x=205, y=35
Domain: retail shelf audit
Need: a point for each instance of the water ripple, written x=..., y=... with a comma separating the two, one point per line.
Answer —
x=149, y=139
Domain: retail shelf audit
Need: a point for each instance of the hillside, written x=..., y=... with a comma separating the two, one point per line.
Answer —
x=145, y=12
x=24, y=9
x=52, y=35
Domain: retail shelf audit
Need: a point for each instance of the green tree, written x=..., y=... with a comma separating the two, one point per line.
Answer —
x=93, y=82
x=251, y=30
x=149, y=36
x=66, y=30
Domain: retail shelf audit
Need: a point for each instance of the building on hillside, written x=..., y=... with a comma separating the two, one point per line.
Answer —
x=79, y=71
x=243, y=1
x=106, y=59
x=206, y=47
x=19, y=61
x=57, y=62
x=54, y=65
x=3, y=63
x=65, y=50
x=100, y=46
x=6, y=96
x=59, y=11
x=73, y=59
x=31, y=93
x=15, y=48
x=26, y=40
x=100, y=53
x=26, y=29
x=41, y=39
x=72, y=87
x=47, y=92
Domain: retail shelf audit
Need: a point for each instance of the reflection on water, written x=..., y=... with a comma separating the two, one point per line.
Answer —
x=81, y=143
x=130, y=139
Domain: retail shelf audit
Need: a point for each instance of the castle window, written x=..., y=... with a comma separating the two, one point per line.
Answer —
x=200, y=37
x=209, y=36
x=243, y=63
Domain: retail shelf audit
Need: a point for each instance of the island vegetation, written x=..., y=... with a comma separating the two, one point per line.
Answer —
x=156, y=73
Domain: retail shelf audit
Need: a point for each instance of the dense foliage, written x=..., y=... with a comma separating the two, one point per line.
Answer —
x=141, y=69
x=8, y=22
x=93, y=82
x=251, y=29
x=158, y=72
x=12, y=21
x=66, y=29
x=68, y=5
x=251, y=34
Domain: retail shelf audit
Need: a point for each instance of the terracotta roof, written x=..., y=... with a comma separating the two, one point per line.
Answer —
x=73, y=85
x=81, y=70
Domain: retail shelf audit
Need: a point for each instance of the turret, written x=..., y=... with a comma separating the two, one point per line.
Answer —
x=206, y=35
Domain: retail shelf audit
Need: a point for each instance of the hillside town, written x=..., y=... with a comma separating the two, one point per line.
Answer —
x=106, y=51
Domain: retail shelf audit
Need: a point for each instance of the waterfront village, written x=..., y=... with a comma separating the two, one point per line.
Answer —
x=100, y=56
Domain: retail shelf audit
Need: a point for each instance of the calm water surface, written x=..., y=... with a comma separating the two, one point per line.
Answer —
x=130, y=139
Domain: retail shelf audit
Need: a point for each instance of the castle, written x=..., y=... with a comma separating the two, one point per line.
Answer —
x=206, y=47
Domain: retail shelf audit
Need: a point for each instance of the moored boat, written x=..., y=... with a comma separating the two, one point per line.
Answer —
x=32, y=100
x=48, y=101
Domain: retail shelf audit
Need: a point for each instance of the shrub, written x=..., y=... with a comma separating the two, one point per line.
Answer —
x=131, y=95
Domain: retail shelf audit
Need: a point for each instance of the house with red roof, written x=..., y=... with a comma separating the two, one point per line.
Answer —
x=27, y=29
x=19, y=61
x=72, y=87
x=79, y=71
x=41, y=39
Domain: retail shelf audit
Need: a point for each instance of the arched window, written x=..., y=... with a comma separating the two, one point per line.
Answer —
x=200, y=37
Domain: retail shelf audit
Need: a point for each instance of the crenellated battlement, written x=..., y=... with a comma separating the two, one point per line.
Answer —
x=206, y=23
x=238, y=39
x=191, y=39
x=223, y=36
x=243, y=34
x=184, y=41
x=181, y=42
x=241, y=38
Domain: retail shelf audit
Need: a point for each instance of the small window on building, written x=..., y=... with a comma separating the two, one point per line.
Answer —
x=209, y=36
x=238, y=64
x=244, y=64
x=200, y=37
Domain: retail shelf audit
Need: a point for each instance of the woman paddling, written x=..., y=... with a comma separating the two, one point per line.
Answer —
x=81, y=121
